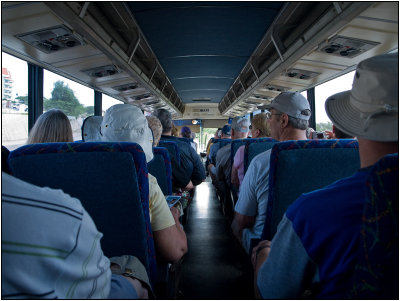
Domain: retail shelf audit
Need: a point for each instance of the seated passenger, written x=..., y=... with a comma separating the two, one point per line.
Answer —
x=91, y=128
x=186, y=132
x=180, y=180
x=51, y=249
x=225, y=134
x=51, y=126
x=259, y=128
x=124, y=122
x=223, y=167
x=318, y=238
x=337, y=134
x=190, y=160
x=288, y=117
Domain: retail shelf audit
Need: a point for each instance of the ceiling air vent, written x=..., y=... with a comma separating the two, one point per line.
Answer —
x=140, y=97
x=102, y=71
x=252, y=103
x=52, y=39
x=260, y=97
x=201, y=99
x=151, y=102
x=348, y=47
x=276, y=88
x=126, y=87
x=301, y=74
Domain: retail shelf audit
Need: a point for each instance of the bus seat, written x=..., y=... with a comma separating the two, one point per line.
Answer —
x=376, y=275
x=160, y=167
x=4, y=159
x=298, y=167
x=172, y=147
x=256, y=146
x=109, y=178
x=236, y=144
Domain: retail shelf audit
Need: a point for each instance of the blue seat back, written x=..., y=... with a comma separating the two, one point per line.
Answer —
x=298, y=167
x=172, y=147
x=256, y=146
x=160, y=167
x=109, y=178
x=4, y=159
x=376, y=273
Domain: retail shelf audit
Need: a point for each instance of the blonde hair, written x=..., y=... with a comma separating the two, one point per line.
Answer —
x=156, y=128
x=52, y=126
x=259, y=122
x=174, y=131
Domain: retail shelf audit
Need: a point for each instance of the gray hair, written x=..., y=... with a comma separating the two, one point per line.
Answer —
x=165, y=117
x=297, y=123
x=51, y=126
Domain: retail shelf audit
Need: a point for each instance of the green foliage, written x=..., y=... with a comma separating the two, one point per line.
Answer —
x=324, y=126
x=24, y=98
x=63, y=98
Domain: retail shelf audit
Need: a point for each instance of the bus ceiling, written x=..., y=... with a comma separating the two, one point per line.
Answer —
x=208, y=60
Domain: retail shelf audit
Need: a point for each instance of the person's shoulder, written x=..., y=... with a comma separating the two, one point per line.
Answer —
x=16, y=188
x=338, y=191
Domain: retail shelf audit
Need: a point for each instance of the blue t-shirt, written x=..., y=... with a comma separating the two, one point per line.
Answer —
x=317, y=242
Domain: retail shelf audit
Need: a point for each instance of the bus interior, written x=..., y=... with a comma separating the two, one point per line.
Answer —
x=205, y=62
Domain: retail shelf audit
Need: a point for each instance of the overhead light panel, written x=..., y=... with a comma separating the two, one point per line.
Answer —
x=346, y=47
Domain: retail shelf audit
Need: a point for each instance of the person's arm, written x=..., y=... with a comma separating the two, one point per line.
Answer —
x=199, y=173
x=171, y=243
x=246, y=206
x=169, y=238
x=235, y=176
x=286, y=270
x=241, y=222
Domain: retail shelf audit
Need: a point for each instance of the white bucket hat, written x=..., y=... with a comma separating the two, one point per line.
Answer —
x=370, y=109
x=91, y=128
x=124, y=122
x=240, y=124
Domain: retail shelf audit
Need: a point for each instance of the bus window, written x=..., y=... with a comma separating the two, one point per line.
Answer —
x=14, y=101
x=107, y=102
x=75, y=100
x=323, y=91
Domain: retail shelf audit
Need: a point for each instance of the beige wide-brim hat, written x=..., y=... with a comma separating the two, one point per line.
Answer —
x=370, y=109
x=125, y=122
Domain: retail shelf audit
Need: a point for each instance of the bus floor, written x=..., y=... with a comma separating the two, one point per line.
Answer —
x=215, y=267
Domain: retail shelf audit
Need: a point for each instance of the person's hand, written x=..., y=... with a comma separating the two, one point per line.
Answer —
x=139, y=288
x=175, y=212
x=329, y=135
x=261, y=251
x=189, y=186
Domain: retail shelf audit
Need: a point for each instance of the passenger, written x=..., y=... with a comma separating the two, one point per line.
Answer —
x=194, y=143
x=288, y=117
x=51, y=249
x=225, y=134
x=337, y=134
x=91, y=128
x=318, y=238
x=174, y=131
x=186, y=132
x=239, y=130
x=124, y=122
x=259, y=128
x=51, y=126
x=309, y=133
x=217, y=135
x=180, y=180
x=190, y=160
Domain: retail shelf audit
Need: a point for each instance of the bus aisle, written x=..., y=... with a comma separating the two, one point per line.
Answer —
x=215, y=266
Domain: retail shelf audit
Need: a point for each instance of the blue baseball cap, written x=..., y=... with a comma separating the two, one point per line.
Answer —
x=226, y=130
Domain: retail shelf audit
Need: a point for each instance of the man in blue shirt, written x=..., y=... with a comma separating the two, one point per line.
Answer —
x=316, y=245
